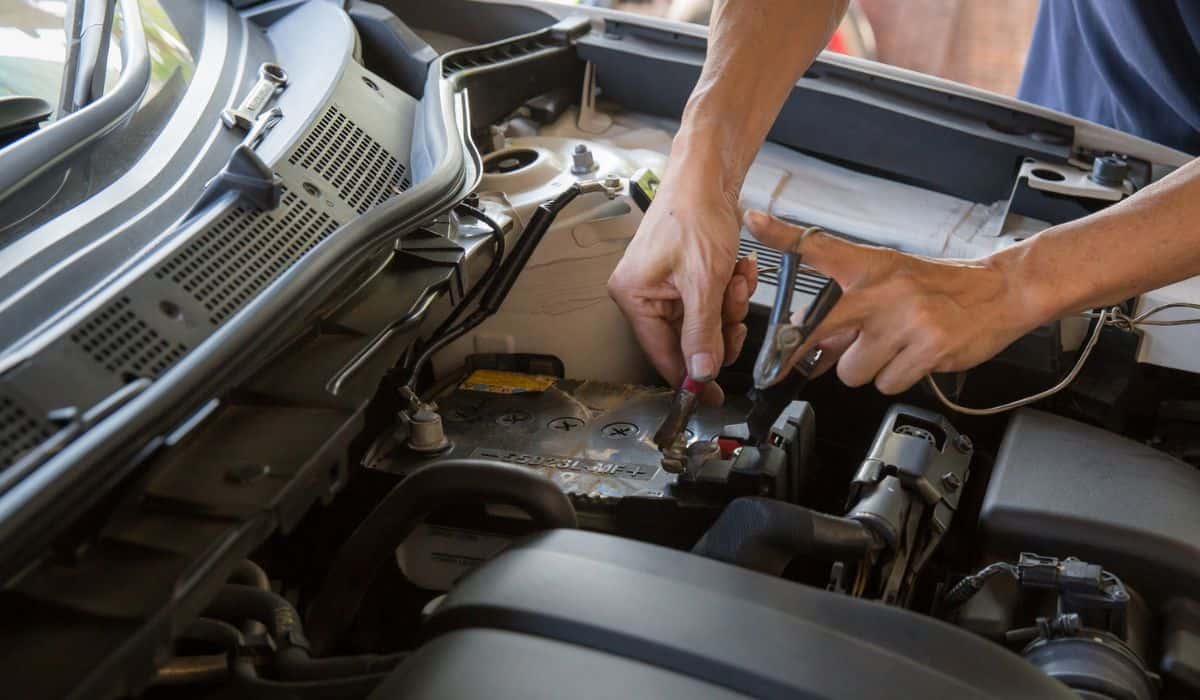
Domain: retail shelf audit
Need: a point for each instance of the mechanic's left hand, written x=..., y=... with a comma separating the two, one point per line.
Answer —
x=902, y=317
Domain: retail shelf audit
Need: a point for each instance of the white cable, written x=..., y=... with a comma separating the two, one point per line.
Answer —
x=1110, y=317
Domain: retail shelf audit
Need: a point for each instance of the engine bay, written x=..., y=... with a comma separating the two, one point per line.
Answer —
x=447, y=483
x=915, y=515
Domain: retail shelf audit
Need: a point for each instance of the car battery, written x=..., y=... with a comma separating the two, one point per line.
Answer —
x=595, y=441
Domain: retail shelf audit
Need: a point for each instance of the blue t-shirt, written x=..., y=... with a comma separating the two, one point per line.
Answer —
x=1130, y=64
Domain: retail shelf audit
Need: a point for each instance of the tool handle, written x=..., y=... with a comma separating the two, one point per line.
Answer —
x=785, y=287
x=820, y=307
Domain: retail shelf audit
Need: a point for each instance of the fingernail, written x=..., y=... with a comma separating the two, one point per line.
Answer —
x=702, y=367
x=753, y=257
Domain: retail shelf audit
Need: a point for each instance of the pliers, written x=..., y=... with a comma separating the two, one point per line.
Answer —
x=784, y=338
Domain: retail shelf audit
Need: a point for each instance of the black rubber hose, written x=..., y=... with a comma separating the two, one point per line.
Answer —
x=293, y=661
x=245, y=674
x=766, y=535
x=248, y=573
x=373, y=544
x=238, y=603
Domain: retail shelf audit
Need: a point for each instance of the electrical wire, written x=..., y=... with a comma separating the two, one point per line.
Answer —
x=497, y=235
x=446, y=332
x=1114, y=317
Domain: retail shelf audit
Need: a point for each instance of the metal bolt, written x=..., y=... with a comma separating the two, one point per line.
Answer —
x=619, y=431
x=789, y=337
x=963, y=444
x=565, y=424
x=612, y=182
x=951, y=481
x=582, y=160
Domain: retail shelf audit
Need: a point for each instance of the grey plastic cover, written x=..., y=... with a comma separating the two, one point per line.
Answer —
x=746, y=632
x=1063, y=488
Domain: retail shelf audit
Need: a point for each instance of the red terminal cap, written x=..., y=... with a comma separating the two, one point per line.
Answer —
x=692, y=386
x=728, y=446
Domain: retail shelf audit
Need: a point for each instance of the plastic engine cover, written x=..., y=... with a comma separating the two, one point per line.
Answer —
x=1066, y=489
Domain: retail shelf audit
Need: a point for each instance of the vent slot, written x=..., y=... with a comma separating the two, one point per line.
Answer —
x=362, y=171
x=119, y=340
x=19, y=432
x=486, y=56
x=808, y=280
x=244, y=251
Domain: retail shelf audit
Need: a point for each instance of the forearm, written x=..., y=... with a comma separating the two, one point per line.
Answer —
x=1150, y=240
x=756, y=51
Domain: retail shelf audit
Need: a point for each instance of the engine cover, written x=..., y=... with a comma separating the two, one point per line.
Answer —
x=1063, y=488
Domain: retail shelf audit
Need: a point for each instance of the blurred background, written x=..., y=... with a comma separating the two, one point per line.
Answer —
x=977, y=42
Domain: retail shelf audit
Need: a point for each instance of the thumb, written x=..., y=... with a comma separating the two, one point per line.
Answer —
x=827, y=253
x=700, y=337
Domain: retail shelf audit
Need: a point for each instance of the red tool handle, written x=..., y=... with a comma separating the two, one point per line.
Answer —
x=692, y=386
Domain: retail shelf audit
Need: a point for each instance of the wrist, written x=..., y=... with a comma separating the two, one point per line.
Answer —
x=1032, y=296
x=710, y=153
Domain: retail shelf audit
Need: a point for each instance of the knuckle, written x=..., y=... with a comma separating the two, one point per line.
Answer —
x=851, y=375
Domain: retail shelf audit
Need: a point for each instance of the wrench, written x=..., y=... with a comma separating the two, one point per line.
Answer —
x=271, y=78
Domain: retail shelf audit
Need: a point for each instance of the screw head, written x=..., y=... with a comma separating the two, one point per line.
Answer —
x=963, y=444
x=565, y=424
x=514, y=418
x=951, y=481
x=619, y=431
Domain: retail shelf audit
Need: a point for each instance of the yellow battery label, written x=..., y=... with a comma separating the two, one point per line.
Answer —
x=494, y=381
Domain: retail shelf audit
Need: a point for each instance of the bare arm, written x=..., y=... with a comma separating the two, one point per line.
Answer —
x=1147, y=241
x=680, y=282
x=756, y=51
x=903, y=316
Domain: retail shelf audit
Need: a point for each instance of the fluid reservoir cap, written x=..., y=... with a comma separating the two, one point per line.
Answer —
x=1109, y=171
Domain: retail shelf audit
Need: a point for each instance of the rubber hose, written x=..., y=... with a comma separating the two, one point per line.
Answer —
x=248, y=573
x=293, y=661
x=766, y=535
x=453, y=481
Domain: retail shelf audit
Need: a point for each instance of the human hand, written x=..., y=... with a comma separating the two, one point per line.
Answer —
x=901, y=316
x=682, y=287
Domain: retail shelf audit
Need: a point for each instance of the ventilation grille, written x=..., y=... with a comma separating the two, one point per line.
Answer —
x=474, y=58
x=244, y=251
x=19, y=432
x=119, y=340
x=808, y=280
x=362, y=171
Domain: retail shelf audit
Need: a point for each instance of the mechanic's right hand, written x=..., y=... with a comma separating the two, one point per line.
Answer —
x=902, y=317
x=682, y=287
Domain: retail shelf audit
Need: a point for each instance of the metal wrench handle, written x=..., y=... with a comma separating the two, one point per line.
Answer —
x=271, y=78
